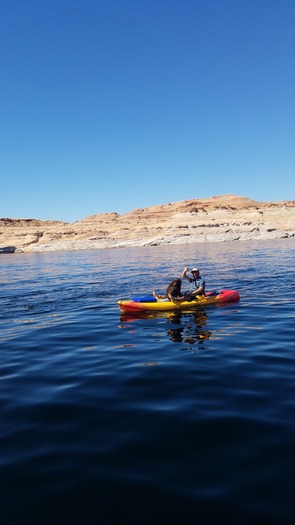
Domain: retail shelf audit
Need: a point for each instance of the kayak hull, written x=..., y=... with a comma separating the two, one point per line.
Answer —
x=223, y=296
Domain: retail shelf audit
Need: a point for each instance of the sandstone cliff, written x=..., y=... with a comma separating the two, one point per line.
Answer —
x=216, y=219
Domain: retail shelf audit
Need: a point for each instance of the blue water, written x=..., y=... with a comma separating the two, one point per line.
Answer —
x=164, y=418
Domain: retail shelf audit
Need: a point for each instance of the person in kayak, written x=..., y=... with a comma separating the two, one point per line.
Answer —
x=197, y=286
x=172, y=290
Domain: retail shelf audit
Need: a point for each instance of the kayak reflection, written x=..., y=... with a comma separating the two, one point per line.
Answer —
x=188, y=328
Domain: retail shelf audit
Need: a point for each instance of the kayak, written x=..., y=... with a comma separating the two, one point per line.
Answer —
x=150, y=304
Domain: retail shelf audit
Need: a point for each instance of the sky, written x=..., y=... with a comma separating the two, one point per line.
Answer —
x=113, y=105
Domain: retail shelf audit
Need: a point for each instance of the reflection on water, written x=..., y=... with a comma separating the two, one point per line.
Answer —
x=188, y=328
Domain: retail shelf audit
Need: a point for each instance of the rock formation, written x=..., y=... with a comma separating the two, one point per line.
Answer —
x=216, y=219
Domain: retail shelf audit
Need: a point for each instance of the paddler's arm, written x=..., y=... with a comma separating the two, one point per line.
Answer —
x=185, y=270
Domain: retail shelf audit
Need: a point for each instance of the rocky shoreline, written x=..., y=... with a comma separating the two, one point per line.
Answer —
x=216, y=219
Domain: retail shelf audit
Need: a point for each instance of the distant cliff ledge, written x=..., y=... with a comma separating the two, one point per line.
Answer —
x=216, y=219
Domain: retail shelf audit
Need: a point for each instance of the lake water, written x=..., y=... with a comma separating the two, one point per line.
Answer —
x=178, y=418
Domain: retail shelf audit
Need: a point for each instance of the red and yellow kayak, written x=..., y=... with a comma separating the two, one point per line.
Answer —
x=149, y=304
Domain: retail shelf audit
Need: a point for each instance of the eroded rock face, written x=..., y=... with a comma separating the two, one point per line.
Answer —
x=216, y=219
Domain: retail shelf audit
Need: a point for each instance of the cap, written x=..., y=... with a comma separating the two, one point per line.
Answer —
x=194, y=270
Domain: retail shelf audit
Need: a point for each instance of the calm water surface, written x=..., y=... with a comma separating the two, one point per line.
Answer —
x=177, y=418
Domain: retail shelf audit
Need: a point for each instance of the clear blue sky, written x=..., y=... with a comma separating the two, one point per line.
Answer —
x=111, y=105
